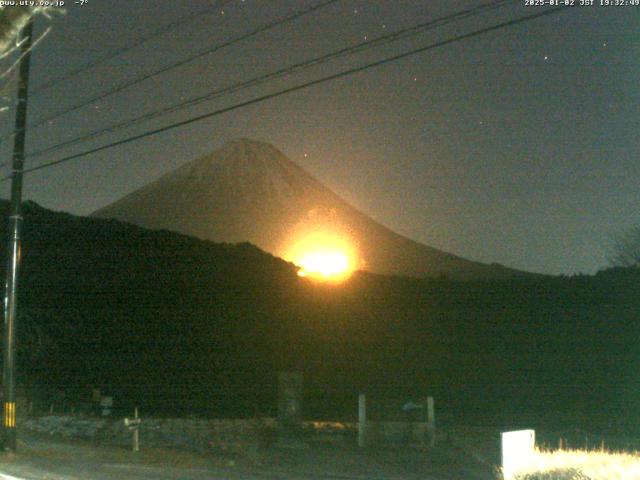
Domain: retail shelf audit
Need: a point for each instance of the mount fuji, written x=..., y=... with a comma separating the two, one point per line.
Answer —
x=249, y=191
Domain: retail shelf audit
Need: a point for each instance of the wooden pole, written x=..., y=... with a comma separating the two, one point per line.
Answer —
x=15, y=244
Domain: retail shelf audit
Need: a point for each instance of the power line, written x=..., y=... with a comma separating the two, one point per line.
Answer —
x=119, y=51
x=183, y=62
x=359, y=47
x=296, y=88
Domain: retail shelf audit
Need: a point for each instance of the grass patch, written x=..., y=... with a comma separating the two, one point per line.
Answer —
x=580, y=465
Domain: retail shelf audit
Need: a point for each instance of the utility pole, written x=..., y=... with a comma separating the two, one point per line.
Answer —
x=14, y=244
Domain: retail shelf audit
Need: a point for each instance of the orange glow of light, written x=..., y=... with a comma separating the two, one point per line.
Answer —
x=323, y=256
x=324, y=263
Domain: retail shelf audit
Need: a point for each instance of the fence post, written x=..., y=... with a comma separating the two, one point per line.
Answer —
x=431, y=421
x=362, y=419
x=134, y=425
x=136, y=433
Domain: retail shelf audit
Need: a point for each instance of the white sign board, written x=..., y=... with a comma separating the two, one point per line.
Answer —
x=517, y=450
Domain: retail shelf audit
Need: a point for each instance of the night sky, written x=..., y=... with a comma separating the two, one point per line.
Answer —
x=519, y=146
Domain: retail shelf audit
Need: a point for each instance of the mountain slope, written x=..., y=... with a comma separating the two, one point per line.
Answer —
x=179, y=326
x=250, y=191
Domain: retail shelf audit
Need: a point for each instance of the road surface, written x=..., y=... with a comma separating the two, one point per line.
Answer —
x=42, y=458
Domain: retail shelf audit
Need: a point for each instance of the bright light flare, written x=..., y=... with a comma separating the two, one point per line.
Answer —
x=323, y=256
x=325, y=263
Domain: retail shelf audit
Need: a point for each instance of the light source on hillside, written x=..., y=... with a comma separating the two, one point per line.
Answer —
x=325, y=263
x=323, y=255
